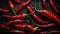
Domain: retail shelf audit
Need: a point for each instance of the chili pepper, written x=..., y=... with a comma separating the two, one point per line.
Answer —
x=17, y=1
x=6, y=27
x=18, y=31
x=42, y=32
x=34, y=30
x=54, y=7
x=11, y=6
x=45, y=26
x=22, y=5
x=15, y=21
x=21, y=16
x=3, y=10
x=50, y=32
x=44, y=4
x=25, y=26
x=54, y=32
x=49, y=15
x=35, y=16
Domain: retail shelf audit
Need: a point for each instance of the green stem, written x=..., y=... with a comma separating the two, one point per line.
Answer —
x=14, y=12
x=25, y=20
x=40, y=10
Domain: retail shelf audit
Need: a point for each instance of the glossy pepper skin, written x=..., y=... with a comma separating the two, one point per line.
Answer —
x=18, y=32
x=20, y=16
x=17, y=1
x=13, y=22
x=44, y=4
x=35, y=16
x=26, y=26
x=50, y=16
x=50, y=32
x=10, y=4
x=22, y=5
x=53, y=6
x=17, y=21
x=46, y=26
x=5, y=27
x=23, y=26
x=4, y=10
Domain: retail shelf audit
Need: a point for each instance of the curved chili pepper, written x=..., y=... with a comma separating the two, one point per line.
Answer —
x=54, y=7
x=17, y=1
x=45, y=26
x=54, y=31
x=44, y=4
x=14, y=21
x=50, y=32
x=35, y=16
x=42, y=32
x=17, y=31
x=25, y=26
x=21, y=16
x=22, y=6
x=6, y=27
x=11, y=6
x=3, y=10
x=50, y=16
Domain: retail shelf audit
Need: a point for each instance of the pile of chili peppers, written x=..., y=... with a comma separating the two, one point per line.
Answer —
x=17, y=22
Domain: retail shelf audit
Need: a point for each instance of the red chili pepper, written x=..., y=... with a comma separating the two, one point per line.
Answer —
x=54, y=31
x=15, y=21
x=25, y=26
x=34, y=30
x=44, y=4
x=42, y=32
x=11, y=6
x=54, y=7
x=17, y=32
x=50, y=32
x=3, y=10
x=45, y=26
x=50, y=16
x=35, y=16
x=6, y=27
x=22, y=6
x=21, y=16
x=17, y=1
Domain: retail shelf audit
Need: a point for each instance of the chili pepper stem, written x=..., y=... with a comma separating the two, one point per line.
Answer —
x=14, y=12
x=25, y=20
x=35, y=28
x=40, y=10
x=30, y=13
